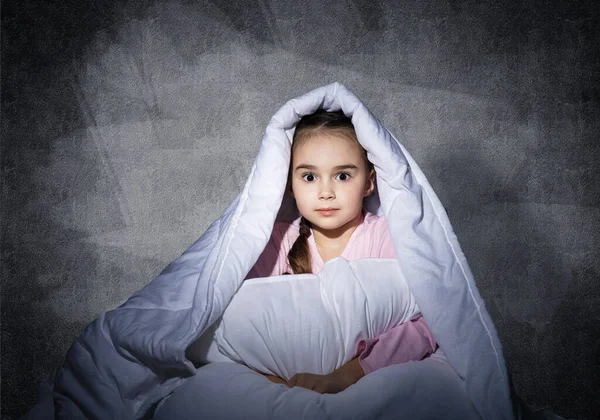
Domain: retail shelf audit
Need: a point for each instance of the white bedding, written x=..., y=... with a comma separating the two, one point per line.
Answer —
x=232, y=391
x=287, y=324
x=129, y=359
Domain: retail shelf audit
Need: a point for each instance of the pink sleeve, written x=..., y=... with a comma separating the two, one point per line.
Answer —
x=408, y=341
x=272, y=261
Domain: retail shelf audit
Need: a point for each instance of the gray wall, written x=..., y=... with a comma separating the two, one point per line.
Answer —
x=127, y=129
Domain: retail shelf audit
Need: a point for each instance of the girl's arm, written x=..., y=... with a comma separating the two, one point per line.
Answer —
x=408, y=341
x=351, y=372
x=336, y=381
x=411, y=340
x=348, y=374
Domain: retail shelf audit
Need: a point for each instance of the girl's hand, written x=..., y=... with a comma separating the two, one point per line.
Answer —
x=324, y=384
x=274, y=379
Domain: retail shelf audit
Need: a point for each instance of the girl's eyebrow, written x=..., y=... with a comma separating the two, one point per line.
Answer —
x=312, y=167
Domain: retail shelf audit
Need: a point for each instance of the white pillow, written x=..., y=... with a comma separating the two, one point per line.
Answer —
x=288, y=324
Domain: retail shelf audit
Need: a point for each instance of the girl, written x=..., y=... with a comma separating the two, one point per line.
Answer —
x=329, y=176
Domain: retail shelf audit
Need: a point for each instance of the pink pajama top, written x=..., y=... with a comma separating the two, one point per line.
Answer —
x=408, y=341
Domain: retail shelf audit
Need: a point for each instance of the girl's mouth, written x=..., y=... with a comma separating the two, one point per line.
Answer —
x=328, y=212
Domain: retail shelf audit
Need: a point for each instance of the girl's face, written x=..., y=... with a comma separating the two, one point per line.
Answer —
x=329, y=171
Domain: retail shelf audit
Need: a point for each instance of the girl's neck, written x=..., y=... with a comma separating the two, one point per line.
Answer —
x=336, y=239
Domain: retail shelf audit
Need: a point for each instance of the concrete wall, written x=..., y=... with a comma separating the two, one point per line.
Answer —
x=128, y=128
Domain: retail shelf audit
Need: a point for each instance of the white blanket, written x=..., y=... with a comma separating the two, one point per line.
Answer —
x=129, y=359
x=425, y=390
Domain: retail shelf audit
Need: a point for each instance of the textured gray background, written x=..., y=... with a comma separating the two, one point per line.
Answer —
x=127, y=129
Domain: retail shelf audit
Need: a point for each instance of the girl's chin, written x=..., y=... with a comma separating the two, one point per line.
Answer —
x=329, y=222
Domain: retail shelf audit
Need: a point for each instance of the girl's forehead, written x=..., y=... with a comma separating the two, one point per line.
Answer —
x=316, y=145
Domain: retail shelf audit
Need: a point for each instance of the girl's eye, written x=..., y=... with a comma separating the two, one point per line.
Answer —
x=346, y=176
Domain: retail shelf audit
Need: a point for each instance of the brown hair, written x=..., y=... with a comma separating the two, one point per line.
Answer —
x=310, y=125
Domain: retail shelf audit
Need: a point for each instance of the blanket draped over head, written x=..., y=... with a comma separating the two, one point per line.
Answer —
x=129, y=358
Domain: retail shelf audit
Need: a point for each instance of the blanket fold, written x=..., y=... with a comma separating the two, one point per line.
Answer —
x=129, y=358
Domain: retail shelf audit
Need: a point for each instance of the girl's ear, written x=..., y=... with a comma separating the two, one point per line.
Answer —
x=288, y=188
x=370, y=183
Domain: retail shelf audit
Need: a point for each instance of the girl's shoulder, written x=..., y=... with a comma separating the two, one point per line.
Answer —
x=374, y=222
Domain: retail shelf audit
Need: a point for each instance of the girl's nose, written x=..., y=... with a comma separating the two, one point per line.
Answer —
x=326, y=192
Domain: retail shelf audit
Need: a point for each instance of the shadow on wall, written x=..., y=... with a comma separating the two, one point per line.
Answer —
x=50, y=270
x=35, y=338
x=56, y=292
x=543, y=303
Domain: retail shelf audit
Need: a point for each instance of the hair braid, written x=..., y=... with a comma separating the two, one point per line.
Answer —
x=299, y=255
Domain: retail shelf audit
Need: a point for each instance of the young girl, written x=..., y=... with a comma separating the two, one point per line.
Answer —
x=329, y=177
